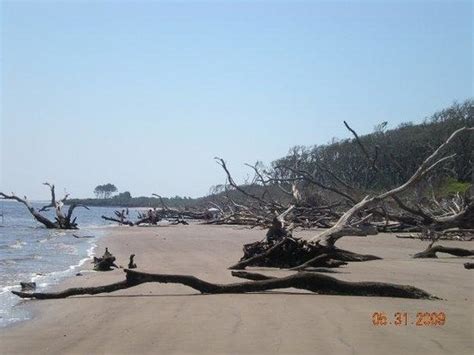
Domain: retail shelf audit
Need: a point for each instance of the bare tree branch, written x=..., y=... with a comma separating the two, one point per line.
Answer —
x=341, y=228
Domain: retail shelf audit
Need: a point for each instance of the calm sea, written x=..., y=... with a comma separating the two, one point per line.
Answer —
x=30, y=252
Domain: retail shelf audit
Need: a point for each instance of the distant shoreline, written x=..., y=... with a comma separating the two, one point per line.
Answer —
x=134, y=202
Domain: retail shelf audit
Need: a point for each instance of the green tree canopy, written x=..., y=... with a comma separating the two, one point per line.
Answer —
x=105, y=191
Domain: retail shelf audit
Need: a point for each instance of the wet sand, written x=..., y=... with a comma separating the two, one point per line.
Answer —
x=174, y=319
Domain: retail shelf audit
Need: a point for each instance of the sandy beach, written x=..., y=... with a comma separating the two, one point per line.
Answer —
x=174, y=319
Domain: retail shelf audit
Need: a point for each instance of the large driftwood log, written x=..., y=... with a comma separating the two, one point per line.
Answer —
x=314, y=282
x=431, y=251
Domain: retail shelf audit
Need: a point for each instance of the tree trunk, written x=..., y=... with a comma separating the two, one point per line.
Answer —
x=318, y=283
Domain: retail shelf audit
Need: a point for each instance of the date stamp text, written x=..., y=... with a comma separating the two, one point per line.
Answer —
x=421, y=319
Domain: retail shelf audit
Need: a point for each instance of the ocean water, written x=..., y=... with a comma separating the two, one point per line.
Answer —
x=30, y=252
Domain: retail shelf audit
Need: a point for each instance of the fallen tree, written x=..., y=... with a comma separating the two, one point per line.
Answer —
x=314, y=282
x=288, y=251
x=321, y=195
x=260, y=208
x=62, y=220
x=151, y=216
x=155, y=215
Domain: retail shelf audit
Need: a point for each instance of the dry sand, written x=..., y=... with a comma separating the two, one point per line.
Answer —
x=174, y=319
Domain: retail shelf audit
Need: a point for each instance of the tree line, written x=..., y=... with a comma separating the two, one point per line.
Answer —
x=397, y=153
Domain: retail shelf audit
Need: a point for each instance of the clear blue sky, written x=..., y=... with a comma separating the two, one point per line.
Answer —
x=144, y=94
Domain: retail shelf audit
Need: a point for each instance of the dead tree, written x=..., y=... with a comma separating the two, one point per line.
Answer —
x=154, y=215
x=455, y=213
x=260, y=208
x=314, y=282
x=352, y=222
x=151, y=216
x=62, y=220
x=250, y=195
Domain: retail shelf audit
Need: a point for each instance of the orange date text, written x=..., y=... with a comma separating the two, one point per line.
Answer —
x=421, y=319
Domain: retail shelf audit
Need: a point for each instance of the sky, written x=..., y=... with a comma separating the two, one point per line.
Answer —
x=144, y=94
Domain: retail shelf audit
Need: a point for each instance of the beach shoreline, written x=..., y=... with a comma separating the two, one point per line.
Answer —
x=58, y=279
x=154, y=318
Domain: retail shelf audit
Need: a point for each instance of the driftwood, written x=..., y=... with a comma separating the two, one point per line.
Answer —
x=320, y=260
x=179, y=221
x=152, y=216
x=409, y=236
x=131, y=263
x=460, y=214
x=104, y=263
x=347, y=224
x=261, y=208
x=28, y=286
x=431, y=251
x=393, y=215
x=448, y=234
x=180, y=214
x=119, y=221
x=296, y=254
x=434, y=236
x=469, y=266
x=82, y=236
x=62, y=220
x=289, y=252
x=314, y=282
x=155, y=215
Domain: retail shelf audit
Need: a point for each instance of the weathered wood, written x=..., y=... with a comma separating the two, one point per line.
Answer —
x=126, y=222
x=431, y=251
x=314, y=282
x=28, y=286
x=104, y=263
x=61, y=221
x=345, y=225
x=296, y=254
x=82, y=236
x=320, y=260
x=131, y=264
x=469, y=265
x=254, y=259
